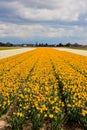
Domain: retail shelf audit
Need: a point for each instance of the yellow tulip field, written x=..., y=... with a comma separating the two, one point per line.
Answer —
x=44, y=85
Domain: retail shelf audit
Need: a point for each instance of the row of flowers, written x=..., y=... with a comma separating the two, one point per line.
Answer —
x=71, y=71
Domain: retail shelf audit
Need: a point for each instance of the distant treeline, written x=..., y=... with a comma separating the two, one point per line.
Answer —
x=51, y=45
x=8, y=44
x=57, y=45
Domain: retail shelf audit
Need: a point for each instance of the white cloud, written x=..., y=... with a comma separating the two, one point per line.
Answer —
x=68, y=10
x=21, y=31
x=38, y=30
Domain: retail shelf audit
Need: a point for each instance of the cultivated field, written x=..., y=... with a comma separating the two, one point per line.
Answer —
x=13, y=51
x=73, y=50
x=44, y=89
x=8, y=48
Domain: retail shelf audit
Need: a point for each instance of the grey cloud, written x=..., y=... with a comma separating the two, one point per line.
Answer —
x=37, y=10
x=41, y=4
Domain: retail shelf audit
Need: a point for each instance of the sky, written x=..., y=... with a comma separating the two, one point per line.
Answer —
x=43, y=21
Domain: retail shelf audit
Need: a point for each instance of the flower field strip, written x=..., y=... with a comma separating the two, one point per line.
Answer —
x=74, y=84
x=70, y=78
x=7, y=63
x=44, y=83
x=40, y=98
x=14, y=79
x=78, y=62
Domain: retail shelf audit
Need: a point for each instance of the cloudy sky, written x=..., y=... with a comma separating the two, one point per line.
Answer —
x=50, y=21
